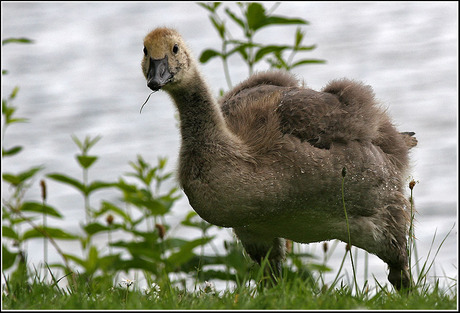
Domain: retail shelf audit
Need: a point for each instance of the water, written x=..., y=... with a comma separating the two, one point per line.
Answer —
x=82, y=76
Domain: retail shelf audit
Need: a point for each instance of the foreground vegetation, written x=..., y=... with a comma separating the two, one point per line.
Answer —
x=292, y=293
x=176, y=273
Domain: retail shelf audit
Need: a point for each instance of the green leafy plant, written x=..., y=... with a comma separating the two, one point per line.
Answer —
x=16, y=212
x=253, y=18
x=92, y=260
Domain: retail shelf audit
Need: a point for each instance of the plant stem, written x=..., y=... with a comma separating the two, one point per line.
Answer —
x=411, y=240
x=45, y=240
x=338, y=272
x=225, y=64
x=250, y=55
x=366, y=266
x=87, y=208
x=109, y=235
x=45, y=234
x=290, y=59
x=348, y=229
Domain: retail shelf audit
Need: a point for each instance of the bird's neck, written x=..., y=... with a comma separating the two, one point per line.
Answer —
x=201, y=120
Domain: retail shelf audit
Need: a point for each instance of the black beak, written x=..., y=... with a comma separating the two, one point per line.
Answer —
x=158, y=74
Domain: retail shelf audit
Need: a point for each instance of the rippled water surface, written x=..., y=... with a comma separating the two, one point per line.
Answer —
x=82, y=76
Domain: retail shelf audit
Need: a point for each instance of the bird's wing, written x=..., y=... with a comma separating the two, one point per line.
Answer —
x=311, y=116
x=343, y=111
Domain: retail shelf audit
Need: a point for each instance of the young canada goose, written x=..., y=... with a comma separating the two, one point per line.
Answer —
x=267, y=159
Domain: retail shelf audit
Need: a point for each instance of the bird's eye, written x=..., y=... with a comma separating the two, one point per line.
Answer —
x=145, y=51
x=175, y=48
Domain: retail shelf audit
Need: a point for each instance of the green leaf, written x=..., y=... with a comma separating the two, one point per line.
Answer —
x=150, y=175
x=16, y=40
x=90, y=264
x=188, y=219
x=208, y=54
x=109, y=262
x=99, y=185
x=13, y=93
x=278, y=62
x=93, y=257
x=7, y=110
x=11, y=151
x=235, y=18
x=21, y=177
x=144, y=249
x=205, y=6
x=9, y=232
x=309, y=61
x=299, y=34
x=76, y=259
x=40, y=208
x=283, y=20
x=211, y=7
x=86, y=161
x=77, y=142
x=165, y=177
x=201, y=224
x=109, y=207
x=87, y=144
x=150, y=237
x=30, y=173
x=172, y=242
x=55, y=233
x=268, y=49
x=220, y=27
x=125, y=187
x=156, y=207
x=241, y=48
x=67, y=180
x=136, y=263
x=95, y=228
x=306, y=48
x=20, y=220
x=186, y=251
x=318, y=267
x=18, y=120
x=255, y=16
x=8, y=258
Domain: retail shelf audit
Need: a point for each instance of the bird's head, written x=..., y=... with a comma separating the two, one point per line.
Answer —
x=166, y=59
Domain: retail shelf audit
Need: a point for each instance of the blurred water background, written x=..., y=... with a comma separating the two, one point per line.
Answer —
x=82, y=76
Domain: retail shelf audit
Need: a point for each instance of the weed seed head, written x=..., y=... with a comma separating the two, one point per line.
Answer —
x=348, y=247
x=109, y=219
x=325, y=247
x=43, y=187
x=161, y=230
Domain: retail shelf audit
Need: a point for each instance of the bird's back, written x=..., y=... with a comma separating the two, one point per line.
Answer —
x=270, y=105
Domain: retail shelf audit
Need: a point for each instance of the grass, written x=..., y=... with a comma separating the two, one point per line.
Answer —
x=291, y=293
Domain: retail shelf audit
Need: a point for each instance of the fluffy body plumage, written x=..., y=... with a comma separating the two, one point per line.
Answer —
x=267, y=158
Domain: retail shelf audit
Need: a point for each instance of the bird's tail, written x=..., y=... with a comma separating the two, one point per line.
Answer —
x=409, y=138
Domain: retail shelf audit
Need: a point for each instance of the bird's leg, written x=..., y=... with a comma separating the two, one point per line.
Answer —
x=400, y=278
x=398, y=263
x=259, y=247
